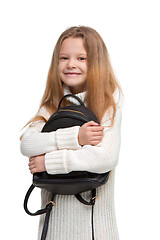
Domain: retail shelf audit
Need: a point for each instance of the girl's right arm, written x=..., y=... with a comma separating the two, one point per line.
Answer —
x=35, y=143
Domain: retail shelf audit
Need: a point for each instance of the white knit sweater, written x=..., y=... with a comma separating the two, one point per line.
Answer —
x=70, y=219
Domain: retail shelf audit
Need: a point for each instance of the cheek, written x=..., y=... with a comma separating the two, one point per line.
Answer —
x=85, y=68
x=59, y=69
x=61, y=66
x=85, y=71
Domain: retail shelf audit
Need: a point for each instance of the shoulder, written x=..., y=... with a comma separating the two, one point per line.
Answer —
x=106, y=120
x=41, y=117
x=43, y=112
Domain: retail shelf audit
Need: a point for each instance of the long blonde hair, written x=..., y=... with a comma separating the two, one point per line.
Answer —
x=101, y=81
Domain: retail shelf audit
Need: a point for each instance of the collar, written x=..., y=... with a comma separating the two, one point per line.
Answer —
x=66, y=90
x=81, y=95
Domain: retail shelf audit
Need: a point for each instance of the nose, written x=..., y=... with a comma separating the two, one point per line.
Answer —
x=71, y=63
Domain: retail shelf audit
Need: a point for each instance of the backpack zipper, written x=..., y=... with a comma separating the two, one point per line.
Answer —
x=61, y=110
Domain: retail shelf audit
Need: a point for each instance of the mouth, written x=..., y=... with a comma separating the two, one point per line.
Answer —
x=72, y=74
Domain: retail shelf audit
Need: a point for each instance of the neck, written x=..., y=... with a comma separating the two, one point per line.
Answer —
x=76, y=91
x=67, y=90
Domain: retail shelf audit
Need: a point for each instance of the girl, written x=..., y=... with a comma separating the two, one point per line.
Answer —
x=80, y=65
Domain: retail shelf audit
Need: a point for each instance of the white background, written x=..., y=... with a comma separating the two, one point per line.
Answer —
x=130, y=29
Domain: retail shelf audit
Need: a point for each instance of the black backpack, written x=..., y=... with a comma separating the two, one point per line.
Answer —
x=74, y=182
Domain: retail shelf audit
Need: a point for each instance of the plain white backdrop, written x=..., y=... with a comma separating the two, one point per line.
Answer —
x=130, y=29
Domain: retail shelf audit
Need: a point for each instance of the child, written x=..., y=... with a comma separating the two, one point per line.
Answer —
x=80, y=65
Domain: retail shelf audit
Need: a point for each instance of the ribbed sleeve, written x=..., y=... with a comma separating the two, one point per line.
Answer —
x=58, y=165
x=67, y=138
x=35, y=143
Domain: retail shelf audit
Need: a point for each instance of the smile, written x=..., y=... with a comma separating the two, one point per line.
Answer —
x=72, y=74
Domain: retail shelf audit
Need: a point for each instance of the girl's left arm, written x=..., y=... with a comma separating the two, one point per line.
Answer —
x=100, y=158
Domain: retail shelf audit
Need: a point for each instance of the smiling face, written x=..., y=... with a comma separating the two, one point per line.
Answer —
x=72, y=66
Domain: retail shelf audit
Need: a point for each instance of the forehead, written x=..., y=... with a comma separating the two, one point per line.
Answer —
x=73, y=45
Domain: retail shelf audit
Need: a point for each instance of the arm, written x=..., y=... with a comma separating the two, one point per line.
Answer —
x=90, y=133
x=100, y=158
x=35, y=143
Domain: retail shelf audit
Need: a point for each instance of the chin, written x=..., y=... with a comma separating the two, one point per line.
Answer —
x=73, y=83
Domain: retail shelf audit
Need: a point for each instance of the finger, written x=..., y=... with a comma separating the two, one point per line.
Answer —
x=91, y=123
x=31, y=167
x=33, y=170
x=31, y=159
x=97, y=129
x=100, y=133
x=31, y=164
x=96, y=138
x=95, y=142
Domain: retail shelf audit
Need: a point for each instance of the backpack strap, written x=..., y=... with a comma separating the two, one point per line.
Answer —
x=46, y=210
x=73, y=96
x=46, y=221
x=82, y=200
x=92, y=203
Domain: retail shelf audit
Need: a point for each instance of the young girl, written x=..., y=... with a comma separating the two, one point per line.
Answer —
x=80, y=65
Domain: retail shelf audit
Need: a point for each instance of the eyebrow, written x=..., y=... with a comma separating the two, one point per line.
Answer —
x=63, y=53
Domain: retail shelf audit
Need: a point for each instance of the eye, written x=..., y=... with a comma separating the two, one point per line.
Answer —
x=63, y=58
x=82, y=58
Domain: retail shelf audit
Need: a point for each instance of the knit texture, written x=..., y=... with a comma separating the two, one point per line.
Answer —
x=70, y=219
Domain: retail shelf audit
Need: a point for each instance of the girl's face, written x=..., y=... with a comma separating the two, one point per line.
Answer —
x=72, y=66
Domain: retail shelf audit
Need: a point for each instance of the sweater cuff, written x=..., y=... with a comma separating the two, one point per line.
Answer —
x=55, y=162
x=67, y=138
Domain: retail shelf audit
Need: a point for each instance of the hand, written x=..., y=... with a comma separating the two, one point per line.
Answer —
x=37, y=164
x=90, y=133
